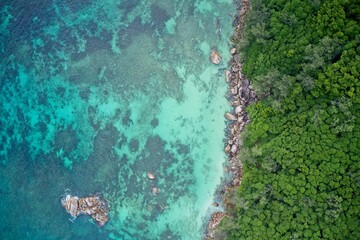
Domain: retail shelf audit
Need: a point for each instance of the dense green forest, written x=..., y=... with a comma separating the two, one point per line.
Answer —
x=301, y=151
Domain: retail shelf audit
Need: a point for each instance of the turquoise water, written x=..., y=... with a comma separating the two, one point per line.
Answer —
x=95, y=94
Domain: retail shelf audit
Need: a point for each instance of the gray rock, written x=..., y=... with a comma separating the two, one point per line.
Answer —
x=233, y=149
x=245, y=93
x=228, y=76
x=230, y=117
x=242, y=11
x=236, y=127
x=233, y=132
x=235, y=68
x=246, y=83
x=234, y=90
x=227, y=148
x=215, y=57
x=235, y=182
x=240, y=119
x=236, y=102
x=239, y=109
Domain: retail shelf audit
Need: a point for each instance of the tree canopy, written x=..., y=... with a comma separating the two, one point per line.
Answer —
x=301, y=151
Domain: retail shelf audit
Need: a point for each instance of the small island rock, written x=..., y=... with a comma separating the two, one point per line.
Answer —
x=215, y=57
x=96, y=206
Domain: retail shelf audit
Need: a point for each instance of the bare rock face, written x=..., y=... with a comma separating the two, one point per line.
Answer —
x=215, y=57
x=96, y=206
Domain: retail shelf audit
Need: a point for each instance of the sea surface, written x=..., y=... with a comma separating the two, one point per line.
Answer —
x=96, y=94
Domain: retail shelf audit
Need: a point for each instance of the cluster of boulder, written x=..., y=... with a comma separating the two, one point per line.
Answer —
x=96, y=206
x=240, y=95
x=214, y=222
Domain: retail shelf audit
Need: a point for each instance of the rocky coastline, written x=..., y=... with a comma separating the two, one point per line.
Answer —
x=240, y=94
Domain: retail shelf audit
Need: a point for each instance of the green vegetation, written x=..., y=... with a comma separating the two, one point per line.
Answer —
x=301, y=151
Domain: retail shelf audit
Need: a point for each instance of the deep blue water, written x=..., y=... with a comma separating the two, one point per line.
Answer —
x=95, y=94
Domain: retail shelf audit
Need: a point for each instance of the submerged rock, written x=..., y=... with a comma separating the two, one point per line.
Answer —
x=215, y=58
x=155, y=191
x=96, y=206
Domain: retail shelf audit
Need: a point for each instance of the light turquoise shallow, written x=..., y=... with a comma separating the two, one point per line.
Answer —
x=95, y=94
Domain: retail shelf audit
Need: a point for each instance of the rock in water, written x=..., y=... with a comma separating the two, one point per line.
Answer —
x=71, y=204
x=230, y=117
x=227, y=76
x=233, y=51
x=151, y=175
x=96, y=206
x=215, y=57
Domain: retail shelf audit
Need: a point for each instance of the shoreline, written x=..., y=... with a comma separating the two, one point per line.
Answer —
x=239, y=95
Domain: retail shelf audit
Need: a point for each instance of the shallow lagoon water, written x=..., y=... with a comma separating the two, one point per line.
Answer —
x=95, y=94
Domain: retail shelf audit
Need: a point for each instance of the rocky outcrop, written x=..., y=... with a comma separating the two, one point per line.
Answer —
x=95, y=206
x=240, y=95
